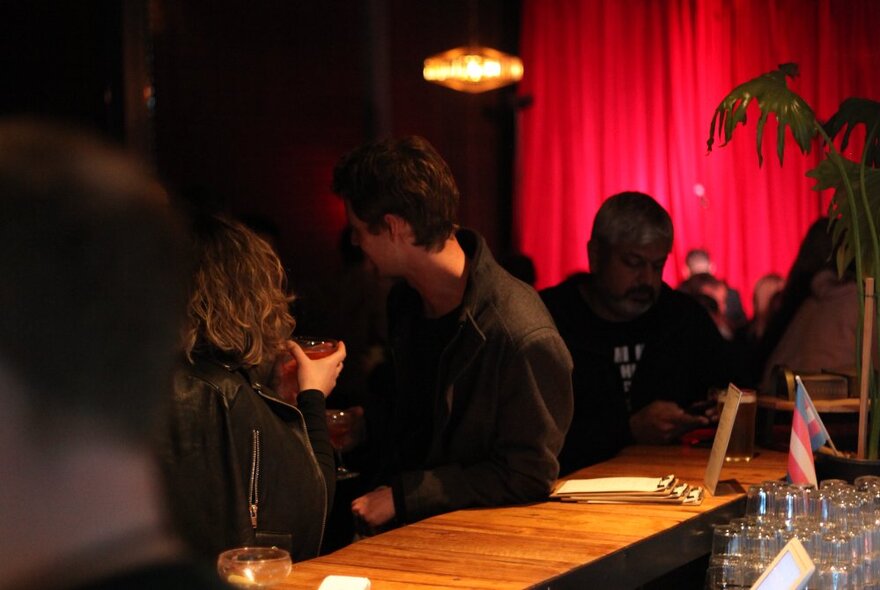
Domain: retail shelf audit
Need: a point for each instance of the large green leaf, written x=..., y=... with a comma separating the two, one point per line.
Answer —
x=853, y=111
x=772, y=95
x=840, y=214
x=854, y=215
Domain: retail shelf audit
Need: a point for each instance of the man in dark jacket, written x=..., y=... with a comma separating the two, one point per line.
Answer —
x=482, y=395
x=644, y=355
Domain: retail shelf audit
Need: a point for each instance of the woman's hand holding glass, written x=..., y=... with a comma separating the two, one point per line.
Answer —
x=300, y=368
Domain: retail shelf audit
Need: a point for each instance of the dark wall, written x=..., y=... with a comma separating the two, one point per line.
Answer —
x=256, y=101
x=473, y=132
x=63, y=60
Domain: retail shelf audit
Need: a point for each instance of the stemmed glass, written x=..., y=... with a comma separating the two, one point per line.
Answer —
x=340, y=423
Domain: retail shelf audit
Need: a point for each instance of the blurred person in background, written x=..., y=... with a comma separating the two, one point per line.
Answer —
x=711, y=293
x=813, y=256
x=823, y=309
x=766, y=298
x=354, y=311
x=84, y=368
x=521, y=266
x=698, y=261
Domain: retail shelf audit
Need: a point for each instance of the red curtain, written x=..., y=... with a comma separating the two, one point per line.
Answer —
x=622, y=96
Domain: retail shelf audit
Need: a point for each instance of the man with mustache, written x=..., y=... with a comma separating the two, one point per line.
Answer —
x=644, y=355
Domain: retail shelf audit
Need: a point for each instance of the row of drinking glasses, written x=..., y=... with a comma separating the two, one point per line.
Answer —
x=838, y=524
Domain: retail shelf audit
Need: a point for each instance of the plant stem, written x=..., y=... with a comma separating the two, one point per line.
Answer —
x=874, y=436
x=837, y=159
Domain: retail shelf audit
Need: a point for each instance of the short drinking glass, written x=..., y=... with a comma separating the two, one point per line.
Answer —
x=254, y=567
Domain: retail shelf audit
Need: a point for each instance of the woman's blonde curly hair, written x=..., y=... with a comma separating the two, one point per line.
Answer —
x=237, y=302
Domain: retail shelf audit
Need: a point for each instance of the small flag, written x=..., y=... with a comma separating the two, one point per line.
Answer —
x=818, y=435
x=807, y=434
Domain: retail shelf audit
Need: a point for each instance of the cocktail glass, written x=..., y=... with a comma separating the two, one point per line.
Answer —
x=340, y=424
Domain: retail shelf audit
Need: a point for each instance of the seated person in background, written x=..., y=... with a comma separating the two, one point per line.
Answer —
x=521, y=266
x=697, y=261
x=483, y=381
x=711, y=293
x=93, y=261
x=814, y=255
x=822, y=333
x=244, y=467
x=766, y=297
x=643, y=353
x=355, y=312
x=350, y=305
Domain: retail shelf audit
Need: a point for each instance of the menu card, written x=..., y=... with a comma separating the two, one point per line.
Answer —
x=628, y=490
x=722, y=438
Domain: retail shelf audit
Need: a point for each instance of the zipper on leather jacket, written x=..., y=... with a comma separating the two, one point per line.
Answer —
x=254, y=488
x=314, y=461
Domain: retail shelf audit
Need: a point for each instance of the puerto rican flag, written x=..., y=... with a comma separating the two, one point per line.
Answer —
x=807, y=434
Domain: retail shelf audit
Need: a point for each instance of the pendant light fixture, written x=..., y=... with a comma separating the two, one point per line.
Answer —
x=473, y=67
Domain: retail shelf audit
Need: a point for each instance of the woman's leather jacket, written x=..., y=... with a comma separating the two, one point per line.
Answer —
x=243, y=467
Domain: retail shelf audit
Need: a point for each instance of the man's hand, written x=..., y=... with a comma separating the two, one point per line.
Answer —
x=707, y=408
x=661, y=422
x=374, y=508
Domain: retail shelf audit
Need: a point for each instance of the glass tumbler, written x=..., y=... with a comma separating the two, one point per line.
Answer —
x=834, y=570
x=254, y=567
x=725, y=571
x=761, y=501
x=761, y=544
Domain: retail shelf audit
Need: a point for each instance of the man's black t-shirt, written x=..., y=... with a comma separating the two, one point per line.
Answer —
x=416, y=423
x=671, y=352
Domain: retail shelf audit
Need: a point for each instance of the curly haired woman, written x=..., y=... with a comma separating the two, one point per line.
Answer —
x=242, y=465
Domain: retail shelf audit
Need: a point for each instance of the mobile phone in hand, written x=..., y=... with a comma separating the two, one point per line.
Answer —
x=700, y=408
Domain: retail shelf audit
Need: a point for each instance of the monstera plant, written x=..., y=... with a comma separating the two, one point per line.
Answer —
x=854, y=211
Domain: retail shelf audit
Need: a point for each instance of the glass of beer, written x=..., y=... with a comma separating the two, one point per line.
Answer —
x=741, y=446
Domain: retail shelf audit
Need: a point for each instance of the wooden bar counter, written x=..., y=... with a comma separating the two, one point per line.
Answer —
x=552, y=544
